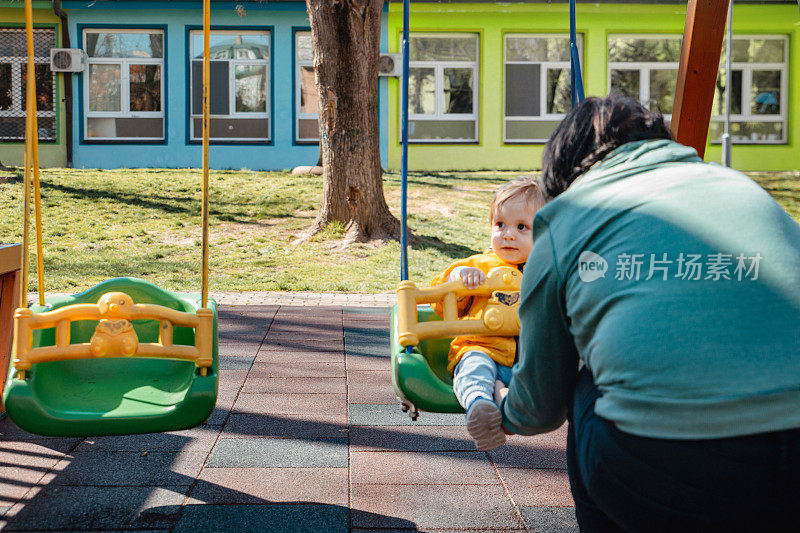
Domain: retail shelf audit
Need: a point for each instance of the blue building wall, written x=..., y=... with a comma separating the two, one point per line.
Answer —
x=176, y=151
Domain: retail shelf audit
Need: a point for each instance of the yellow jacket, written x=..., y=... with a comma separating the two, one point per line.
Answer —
x=502, y=350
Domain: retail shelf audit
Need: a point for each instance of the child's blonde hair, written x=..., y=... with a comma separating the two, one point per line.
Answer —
x=526, y=187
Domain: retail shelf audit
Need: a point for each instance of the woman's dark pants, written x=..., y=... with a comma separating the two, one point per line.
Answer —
x=621, y=482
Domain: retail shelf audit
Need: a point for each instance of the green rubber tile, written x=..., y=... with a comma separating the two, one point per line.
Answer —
x=199, y=439
x=279, y=453
x=317, y=425
x=96, y=508
x=278, y=385
x=284, y=518
x=391, y=415
x=378, y=311
x=247, y=349
x=262, y=485
x=550, y=519
x=236, y=362
x=128, y=468
x=470, y=507
x=411, y=438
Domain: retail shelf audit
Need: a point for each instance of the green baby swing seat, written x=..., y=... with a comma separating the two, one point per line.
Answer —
x=114, y=395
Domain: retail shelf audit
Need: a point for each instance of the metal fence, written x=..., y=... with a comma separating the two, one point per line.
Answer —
x=13, y=81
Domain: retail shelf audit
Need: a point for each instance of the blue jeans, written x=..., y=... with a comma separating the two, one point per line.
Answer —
x=475, y=375
x=622, y=482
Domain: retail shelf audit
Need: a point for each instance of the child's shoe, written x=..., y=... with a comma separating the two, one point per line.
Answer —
x=484, y=423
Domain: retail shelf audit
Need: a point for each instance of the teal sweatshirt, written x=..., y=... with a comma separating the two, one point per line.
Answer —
x=677, y=283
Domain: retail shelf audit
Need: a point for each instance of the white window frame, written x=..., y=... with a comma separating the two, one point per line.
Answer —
x=545, y=66
x=16, y=89
x=298, y=114
x=438, y=68
x=747, y=82
x=643, y=67
x=233, y=63
x=125, y=87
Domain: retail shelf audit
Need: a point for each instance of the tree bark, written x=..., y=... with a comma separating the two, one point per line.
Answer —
x=346, y=36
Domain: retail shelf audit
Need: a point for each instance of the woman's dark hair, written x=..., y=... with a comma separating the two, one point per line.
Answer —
x=592, y=130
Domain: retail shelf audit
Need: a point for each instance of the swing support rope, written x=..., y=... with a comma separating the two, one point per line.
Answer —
x=31, y=170
x=31, y=162
x=576, y=79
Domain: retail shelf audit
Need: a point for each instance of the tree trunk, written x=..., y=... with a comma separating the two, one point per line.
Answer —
x=346, y=35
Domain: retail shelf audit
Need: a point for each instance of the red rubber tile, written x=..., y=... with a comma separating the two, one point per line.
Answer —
x=538, y=487
x=423, y=468
x=470, y=507
x=539, y=451
x=297, y=369
x=370, y=386
x=292, y=404
x=269, y=356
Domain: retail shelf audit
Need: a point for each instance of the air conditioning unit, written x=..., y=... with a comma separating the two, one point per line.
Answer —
x=390, y=65
x=67, y=60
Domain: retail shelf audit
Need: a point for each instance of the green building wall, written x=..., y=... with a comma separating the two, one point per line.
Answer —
x=51, y=154
x=595, y=22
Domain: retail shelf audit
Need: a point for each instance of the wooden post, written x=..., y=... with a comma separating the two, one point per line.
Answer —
x=697, y=73
x=10, y=277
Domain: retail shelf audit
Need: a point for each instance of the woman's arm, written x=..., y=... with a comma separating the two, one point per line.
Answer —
x=548, y=360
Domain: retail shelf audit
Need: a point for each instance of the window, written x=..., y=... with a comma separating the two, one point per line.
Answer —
x=239, y=77
x=442, y=88
x=758, y=91
x=123, y=87
x=13, y=83
x=537, y=85
x=645, y=68
x=306, y=95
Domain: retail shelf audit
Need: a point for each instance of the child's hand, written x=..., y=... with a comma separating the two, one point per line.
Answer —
x=472, y=277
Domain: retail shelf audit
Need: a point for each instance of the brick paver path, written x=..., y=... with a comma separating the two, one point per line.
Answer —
x=307, y=436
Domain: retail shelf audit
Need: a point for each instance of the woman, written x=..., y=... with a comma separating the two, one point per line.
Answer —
x=675, y=286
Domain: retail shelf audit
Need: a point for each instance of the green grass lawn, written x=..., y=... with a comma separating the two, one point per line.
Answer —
x=146, y=223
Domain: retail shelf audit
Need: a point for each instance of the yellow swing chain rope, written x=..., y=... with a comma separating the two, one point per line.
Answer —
x=206, y=98
x=31, y=166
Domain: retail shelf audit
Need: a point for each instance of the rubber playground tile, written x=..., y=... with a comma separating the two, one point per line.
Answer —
x=550, y=519
x=302, y=345
x=199, y=439
x=391, y=415
x=128, y=468
x=282, y=385
x=422, y=468
x=537, y=487
x=301, y=326
x=268, y=356
x=295, y=517
x=370, y=386
x=410, y=438
x=279, y=453
x=539, y=451
x=232, y=379
x=245, y=349
x=292, y=404
x=236, y=362
x=292, y=369
x=377, y=311
x=285, y=426
x=470, y=507
x=368, y=359
x=261, y=485
x=224, y=406
x=57, y=507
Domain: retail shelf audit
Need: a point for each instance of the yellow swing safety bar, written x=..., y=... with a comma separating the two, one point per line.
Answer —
x=114, y=335
x=499, y=316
